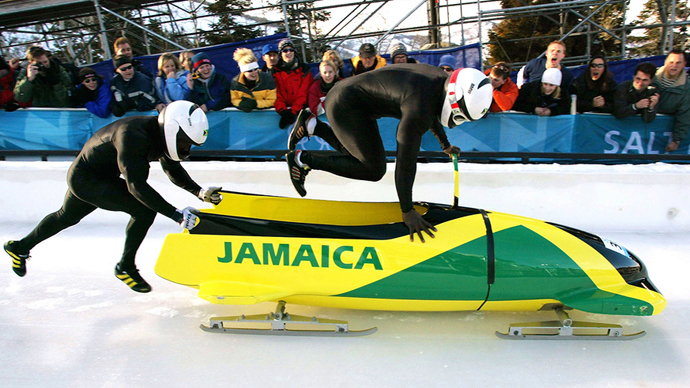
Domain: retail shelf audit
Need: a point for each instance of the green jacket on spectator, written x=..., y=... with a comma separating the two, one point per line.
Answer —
x=675, y=100
x=46, y=90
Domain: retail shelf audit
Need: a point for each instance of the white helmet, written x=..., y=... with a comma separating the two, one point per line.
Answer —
x=182, y=124
x=469, y=97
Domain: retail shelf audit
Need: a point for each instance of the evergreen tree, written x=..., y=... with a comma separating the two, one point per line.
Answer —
x=655, y=41
x=227, y=29
x=551, y=26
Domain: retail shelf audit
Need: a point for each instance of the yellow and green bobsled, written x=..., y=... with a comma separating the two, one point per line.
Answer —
x=358, y=255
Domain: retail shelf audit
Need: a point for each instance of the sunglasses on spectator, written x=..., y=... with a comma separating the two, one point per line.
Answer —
x=288, y=50
x=125, y=68
x=596, y=65
x=447, y=69
x=252, y=70
x=502, y=68
x=89, y=80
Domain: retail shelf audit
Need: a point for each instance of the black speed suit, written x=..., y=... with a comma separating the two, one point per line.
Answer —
x=412, y=93
x=110, y=173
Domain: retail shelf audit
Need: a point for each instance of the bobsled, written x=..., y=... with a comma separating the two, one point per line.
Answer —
x=358, y=255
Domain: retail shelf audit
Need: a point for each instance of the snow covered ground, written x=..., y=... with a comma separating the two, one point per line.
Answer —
x=70, y=323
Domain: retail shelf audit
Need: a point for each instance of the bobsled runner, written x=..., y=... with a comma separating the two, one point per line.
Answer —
x=358, y=255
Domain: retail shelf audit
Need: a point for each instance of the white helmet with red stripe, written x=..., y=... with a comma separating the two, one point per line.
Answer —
x=469, y=97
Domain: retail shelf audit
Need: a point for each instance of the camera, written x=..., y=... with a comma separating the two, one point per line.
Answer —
x=649, y=91
x=39, y=66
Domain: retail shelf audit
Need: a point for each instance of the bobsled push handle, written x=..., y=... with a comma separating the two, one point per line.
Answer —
x=457, y=180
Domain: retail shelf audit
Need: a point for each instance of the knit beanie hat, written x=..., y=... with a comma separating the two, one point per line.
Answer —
x=121, y=60
x=552, y=76
x=285, y=43
x=198, y=60
x=367, y=50
x=85, y=73
x=447, y=60
x=397, y=49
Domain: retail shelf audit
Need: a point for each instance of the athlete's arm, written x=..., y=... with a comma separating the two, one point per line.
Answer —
x=134, y=166
x=409, y=140
x=179, y=176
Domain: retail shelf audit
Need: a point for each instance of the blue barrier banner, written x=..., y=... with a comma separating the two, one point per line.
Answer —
x=604, y=134
x=232, y=129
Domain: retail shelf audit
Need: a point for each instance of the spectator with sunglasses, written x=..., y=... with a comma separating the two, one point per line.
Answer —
x=252, y=88
x=132, y=90
x=594, y=88
x=293, y=79
x=505, y=90
x=92, y=93
x=447, y=63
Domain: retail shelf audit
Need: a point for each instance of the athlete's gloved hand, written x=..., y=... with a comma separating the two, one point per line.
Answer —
x=211, y=194
x=186, y=217
x=417, y=224
x=450, y=150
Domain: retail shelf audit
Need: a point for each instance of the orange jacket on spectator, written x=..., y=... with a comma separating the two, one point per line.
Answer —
x=505, y=96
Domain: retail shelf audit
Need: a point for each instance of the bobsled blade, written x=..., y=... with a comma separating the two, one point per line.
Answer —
x=287, y=324
x=554, y=330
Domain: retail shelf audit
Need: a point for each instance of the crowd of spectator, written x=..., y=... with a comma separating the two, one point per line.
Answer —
x=284, y=82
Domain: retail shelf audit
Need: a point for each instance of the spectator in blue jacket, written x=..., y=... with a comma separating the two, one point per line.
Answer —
x=209, y=88
x=533, y=70
x=92, y=93
x=171, y=83
x=132, y=90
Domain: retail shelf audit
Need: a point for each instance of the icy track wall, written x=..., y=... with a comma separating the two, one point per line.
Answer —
x=590, y=197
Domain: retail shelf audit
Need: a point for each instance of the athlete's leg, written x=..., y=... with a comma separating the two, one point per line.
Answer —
x=72, y=211
x=359, y=136
x=113, y=195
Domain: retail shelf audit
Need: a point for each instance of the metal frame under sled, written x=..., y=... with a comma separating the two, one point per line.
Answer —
x=304, y=326
x=567, y=329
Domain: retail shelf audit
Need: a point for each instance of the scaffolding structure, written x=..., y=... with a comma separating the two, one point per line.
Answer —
x=80, y=28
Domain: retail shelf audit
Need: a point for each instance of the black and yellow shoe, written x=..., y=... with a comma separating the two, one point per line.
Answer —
x=132, y=278
x=299, y=130
x=18, y=258
x=298, y=171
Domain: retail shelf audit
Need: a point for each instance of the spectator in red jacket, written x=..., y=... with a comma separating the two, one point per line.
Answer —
x=505, y=90
x=293, y=79
x=321, y=86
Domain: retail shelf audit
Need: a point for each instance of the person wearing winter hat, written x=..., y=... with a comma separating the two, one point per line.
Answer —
x=251, y=89
x=544, y=97
x=171, y=83
x=293, y=79
x=367, y=60
x=447, y=63
x=208, y=88
x=505, y=90
x=399, y=54
x=270, y=55
x=132, y=90
x=92, y=93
